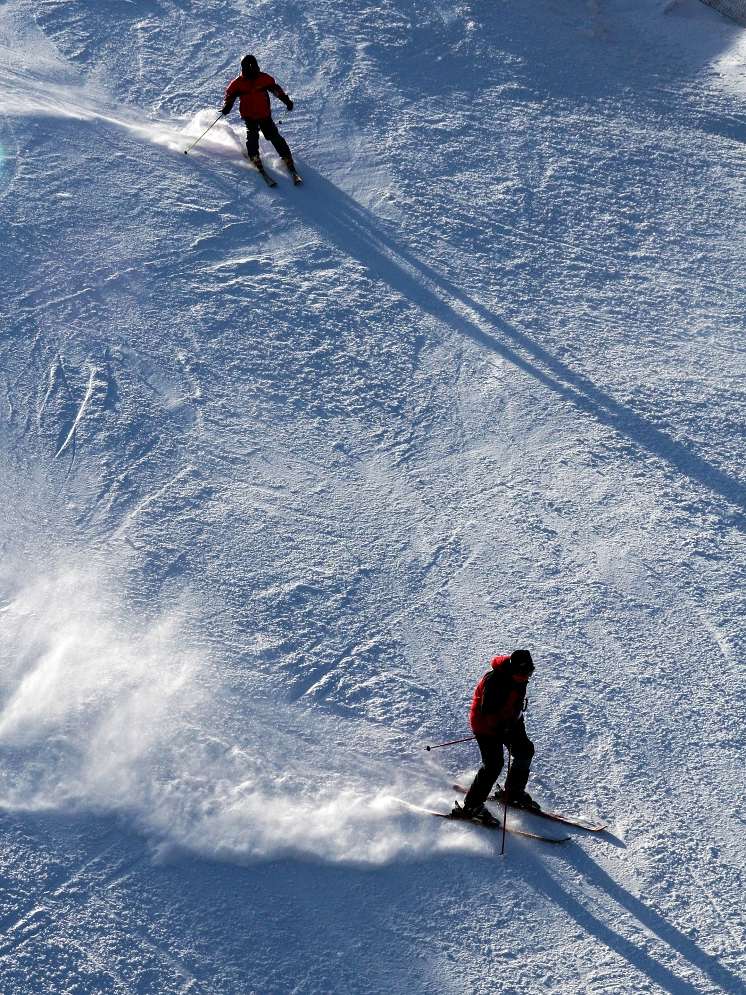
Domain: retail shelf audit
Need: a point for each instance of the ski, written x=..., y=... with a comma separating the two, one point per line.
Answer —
x=475, y=822
x=498, y=825
x=262, y=172
x=568, y=820
x=265, y=176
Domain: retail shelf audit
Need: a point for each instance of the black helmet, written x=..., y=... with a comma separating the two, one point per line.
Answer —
x=521, y=662
x=249, y=66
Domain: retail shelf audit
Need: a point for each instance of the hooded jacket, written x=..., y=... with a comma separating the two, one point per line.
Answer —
x=499, y=698
x=254, y=96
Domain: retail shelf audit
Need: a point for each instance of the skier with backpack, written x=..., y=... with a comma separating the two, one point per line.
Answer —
x=496, y=719
x=252, y=88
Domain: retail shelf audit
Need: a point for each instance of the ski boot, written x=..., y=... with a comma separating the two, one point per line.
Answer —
x=258, y=165
x=297, y=178
x=478, y=813
x=519, y=799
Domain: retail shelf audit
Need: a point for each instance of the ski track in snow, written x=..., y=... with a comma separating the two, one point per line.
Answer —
x=282, y=469
x=70, y=437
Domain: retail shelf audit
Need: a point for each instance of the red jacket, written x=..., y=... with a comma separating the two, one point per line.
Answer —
x=254, y=96
x=499, y=699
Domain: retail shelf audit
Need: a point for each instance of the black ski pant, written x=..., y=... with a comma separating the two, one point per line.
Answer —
x=269, y=130
x=491, y=747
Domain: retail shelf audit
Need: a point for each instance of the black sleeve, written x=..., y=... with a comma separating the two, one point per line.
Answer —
x=279, y=93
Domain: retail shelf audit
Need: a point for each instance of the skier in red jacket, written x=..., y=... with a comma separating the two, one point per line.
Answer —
x=253, y=88
x=496, y=719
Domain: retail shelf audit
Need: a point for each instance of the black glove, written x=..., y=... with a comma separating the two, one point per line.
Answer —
x=225, y=110
x=289, y=104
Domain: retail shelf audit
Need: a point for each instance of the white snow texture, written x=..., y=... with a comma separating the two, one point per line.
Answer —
x=282, y=469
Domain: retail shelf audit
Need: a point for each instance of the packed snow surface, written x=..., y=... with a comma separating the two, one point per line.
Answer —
x=282, y=469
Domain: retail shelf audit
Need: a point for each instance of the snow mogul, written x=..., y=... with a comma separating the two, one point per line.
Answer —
x=496, y=719
x=253, y=87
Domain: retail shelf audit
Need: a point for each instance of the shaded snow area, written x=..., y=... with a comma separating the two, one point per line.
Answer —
x=281, y=470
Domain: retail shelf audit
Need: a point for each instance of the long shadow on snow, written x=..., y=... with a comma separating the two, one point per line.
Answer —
x=542, y=880
x=258, y=920
x=357, y=233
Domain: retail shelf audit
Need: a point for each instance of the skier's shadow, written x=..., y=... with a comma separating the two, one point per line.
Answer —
x=540, y=878
x=358, y=234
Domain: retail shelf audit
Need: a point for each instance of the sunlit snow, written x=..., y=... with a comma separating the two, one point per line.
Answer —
x=281, y=470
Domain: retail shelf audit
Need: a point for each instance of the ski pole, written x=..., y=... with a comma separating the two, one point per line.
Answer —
x=505, y=802
x=452, y=742
x=186, y=150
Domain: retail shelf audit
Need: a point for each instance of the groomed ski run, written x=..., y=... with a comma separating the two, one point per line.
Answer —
x=280, y=472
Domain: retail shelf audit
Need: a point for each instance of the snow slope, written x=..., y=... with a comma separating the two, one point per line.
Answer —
x=734, y=9
x=283, y=469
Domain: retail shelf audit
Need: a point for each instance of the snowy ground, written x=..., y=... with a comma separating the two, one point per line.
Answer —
x=282, y=469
